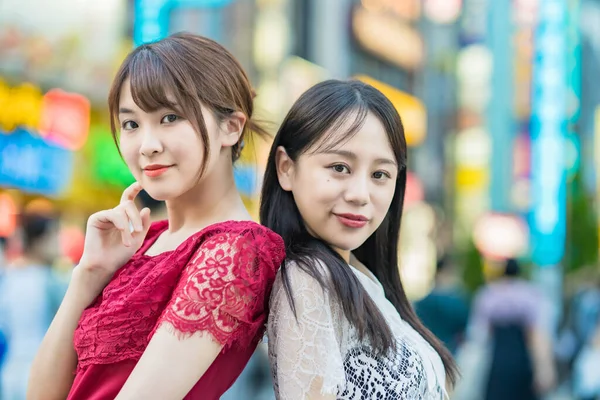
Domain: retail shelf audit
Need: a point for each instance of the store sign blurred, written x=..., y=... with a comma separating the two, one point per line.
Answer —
x=442, y=11
x=548, y=133
x=405, y=9
x=152, y=17
x=297, y=76
x=106, y=163
x=411, y=110
x=31, y=164
x=474, y=20
x=500, y=236
x=58, y=116
x=387, y=37
x=75, y=45
x=414, y=192
x=8, y=215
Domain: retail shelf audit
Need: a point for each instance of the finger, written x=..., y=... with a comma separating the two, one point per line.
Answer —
x=121, y=222
x=133, y=215
x=131, y=192
x=145, y=215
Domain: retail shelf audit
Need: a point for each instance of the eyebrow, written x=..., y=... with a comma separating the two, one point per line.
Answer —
x=352, y=156
x=124, y=110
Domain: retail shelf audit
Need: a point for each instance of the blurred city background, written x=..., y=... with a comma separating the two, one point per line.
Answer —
x=501, y=107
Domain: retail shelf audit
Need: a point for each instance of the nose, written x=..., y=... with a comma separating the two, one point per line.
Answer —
x=357, y=191
x=151, y=143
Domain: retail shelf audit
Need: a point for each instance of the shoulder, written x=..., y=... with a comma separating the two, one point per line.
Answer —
x=306, y=282
x=248, y=237
x=310, y=272
x=236, y=249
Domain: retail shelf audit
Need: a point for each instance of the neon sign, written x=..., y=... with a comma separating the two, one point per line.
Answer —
x=58, y=116
x=548, y=131
x=32, y=164
x=152, y=16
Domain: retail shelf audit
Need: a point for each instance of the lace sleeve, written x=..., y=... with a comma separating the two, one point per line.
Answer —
x=304, y=352
x=224, y=289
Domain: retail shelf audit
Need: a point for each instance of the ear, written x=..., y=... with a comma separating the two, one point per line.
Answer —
x=285, y=168
x=232, y=128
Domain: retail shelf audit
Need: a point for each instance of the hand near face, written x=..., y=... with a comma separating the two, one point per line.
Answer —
x=112, y=238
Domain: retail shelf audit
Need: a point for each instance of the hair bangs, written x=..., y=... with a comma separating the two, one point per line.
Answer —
x=152, y=83
x=345, y=126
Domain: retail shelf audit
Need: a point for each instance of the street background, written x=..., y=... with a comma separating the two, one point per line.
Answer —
x=501, y=107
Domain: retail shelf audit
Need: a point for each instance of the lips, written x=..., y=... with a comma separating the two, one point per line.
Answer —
x=156, y=170
x=352, y=220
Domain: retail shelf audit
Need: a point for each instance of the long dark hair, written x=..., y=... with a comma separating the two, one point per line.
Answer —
x=319, y=111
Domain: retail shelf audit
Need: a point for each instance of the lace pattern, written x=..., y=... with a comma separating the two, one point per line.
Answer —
x=320, y=351
x=216, y=282
x=220, y=291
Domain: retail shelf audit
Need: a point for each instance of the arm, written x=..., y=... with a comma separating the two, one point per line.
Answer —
x=109, y=243
x=305, y=355
x=543, y=360
x=170, y=367
x=218, y=303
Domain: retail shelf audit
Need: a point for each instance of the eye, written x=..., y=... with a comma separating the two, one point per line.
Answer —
x=169, y=119
x=129, y=125
x=340, y=168
x=379, y=175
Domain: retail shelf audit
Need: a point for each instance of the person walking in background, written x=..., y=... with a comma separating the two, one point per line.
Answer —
x=30, y=293
x=445, y=311
x=511, y=315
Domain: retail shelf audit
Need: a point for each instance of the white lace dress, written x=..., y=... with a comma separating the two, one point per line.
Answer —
x=320, y=354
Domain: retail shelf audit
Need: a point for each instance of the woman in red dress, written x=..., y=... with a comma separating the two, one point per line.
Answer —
x=173, y=309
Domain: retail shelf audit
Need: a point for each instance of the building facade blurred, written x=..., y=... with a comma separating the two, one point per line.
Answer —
x=499, y=102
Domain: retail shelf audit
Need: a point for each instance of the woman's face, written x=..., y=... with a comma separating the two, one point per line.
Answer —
x=162, y=149
x=344, y=193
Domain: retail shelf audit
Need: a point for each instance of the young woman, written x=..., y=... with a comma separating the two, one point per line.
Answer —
x=340, y=325
x=173, y=309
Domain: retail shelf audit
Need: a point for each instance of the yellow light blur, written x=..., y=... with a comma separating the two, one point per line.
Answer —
x=411, y=110
x=388, y=37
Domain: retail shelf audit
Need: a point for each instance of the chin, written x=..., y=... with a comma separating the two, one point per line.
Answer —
x=159, y=194
x=345, y=246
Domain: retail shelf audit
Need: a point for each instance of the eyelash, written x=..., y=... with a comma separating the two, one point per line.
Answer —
x=177, y=118
x=125, y=124
x=333, y=167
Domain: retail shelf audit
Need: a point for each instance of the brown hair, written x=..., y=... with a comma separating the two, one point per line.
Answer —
x=194, y=70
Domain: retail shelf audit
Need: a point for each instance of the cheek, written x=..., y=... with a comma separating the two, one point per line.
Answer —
x=317, y=189
x=129, y=151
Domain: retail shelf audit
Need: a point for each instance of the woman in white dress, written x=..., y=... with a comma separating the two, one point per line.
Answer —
x=340, y=325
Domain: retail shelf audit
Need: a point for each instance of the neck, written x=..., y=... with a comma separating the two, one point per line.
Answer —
x=213, y=200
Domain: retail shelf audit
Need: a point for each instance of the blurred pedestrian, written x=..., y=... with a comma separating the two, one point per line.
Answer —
x=30, y=293
x=511, y=315
x=445, y=311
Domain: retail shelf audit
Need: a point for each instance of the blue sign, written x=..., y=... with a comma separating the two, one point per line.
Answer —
x=152, y=17
x=30, y=164
x=548, y=133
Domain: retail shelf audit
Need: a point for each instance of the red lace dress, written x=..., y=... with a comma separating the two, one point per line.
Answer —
x=217, y=281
